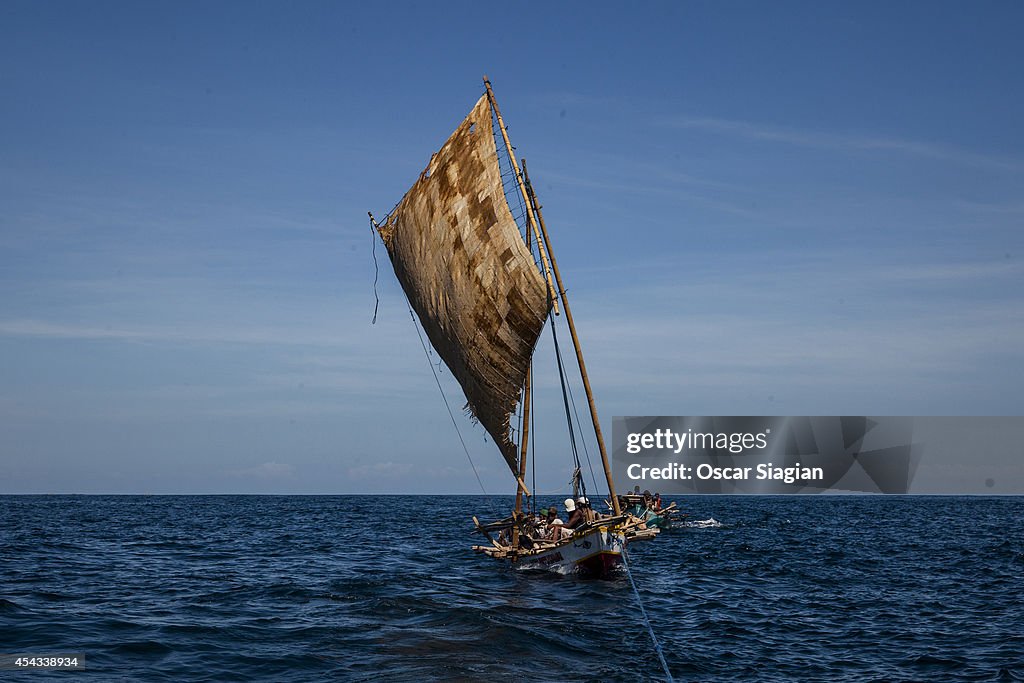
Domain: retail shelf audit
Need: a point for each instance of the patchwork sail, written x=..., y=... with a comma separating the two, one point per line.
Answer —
x=469, y=276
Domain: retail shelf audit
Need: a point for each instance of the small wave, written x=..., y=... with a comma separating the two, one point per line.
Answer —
x=142, y=647
x=930, y=660
x=10, y=606
x=1009, y=675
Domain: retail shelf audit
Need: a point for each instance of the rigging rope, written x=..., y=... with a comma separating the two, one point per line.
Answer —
x=510, y=183
x=373, y=250
x=551, y=492
x=586, y=451
x=565, y=400
x=446, y=404
x=647, y=622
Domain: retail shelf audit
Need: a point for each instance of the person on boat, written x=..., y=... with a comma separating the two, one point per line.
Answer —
x=547, y=518
x=582, y=515
x=657, y=502
x=575, y=514
x=551, y=516
x=558, y=531
x=532, y=525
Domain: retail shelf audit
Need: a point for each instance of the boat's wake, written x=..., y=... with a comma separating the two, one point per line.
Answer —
x=711, y=523
x=536, y=568
x=555, y=572
x=566, y=570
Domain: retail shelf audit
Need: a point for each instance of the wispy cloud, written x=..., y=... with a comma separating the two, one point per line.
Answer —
x=953, y=272
x=844, y=141
x=1011, y=208
x=658, y=182
x=380, y=469
x=829, y=334
x=787, y=270
x=268, y=471
x=200, y=333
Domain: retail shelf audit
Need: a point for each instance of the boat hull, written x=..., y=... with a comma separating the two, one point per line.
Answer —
x=595, y=553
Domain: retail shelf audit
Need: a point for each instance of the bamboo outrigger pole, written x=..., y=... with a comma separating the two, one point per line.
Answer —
x=522, y=189
x=535, y=207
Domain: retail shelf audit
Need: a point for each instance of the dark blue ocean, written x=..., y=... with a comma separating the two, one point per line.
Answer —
x=361, y=588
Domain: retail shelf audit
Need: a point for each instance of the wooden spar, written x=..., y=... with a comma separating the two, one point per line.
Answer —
x=522, y=189
x=522, y=455
x=534, y=207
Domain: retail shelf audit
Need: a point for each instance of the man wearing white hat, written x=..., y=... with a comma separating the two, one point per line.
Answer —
x=576, y=514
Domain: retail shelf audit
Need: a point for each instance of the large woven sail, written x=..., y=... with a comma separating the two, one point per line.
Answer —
x=470, y=278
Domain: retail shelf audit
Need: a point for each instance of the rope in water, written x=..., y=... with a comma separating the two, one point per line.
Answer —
x=647, y=622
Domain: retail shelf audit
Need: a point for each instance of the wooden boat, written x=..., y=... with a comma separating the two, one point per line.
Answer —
x=642, y=507
x=483, y=288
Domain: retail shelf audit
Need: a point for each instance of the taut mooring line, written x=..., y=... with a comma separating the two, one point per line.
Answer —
x=647, y=622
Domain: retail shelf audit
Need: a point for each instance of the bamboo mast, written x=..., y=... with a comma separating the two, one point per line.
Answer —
x=522, y=190
x=522, y=456
x=535, y=207
x=524, y=438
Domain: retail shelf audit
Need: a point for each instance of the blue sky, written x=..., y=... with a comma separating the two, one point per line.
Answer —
x=802, y=208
